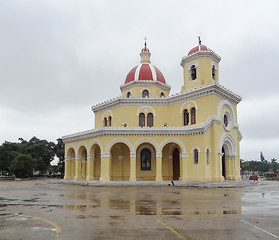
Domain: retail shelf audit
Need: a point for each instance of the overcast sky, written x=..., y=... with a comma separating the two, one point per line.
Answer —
x=58, y=58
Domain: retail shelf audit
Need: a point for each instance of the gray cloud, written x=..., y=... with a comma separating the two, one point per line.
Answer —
x=57, y=58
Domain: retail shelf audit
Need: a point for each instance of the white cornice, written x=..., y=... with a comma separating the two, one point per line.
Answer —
x=178, y=97
x=195, y=55
x=144, y=83
x=143, y=131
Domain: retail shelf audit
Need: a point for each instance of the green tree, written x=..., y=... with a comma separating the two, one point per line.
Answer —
x=42, y=151
x=23, y=165
x=8, y=151
x=60, y=152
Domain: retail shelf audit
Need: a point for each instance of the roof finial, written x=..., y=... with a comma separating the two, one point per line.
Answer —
x=199, y=37
x=145, y=42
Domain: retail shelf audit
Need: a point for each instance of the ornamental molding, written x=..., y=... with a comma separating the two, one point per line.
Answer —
x=107, y=114
x=144, y=132
x=144, y=83
x=198, y=54
x=196, y=147
x=159, y=155
x=227, y=141
x=215, y=65
x=142, y=109
x=188, y=102
x=205, y=90
x=133, y=155
x=184, y=155
x=119, y=140
x=191, y=64
x=105, y=155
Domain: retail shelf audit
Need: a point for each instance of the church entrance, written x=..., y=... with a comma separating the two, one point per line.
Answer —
x=176, y=164
x=223, y=163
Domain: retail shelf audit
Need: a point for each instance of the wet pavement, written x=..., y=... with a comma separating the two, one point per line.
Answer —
x=49, y=209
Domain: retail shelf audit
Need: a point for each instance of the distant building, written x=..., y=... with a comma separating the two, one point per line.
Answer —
x=146, y=134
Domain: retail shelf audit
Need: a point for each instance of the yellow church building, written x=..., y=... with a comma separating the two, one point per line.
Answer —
x=148, y=134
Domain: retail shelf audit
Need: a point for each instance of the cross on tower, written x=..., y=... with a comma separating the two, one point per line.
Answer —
x=199, y=37
x=145, y=42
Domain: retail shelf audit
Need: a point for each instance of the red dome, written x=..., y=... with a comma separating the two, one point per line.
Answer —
x=197, y=49
x=145, y=49
x=145, y=72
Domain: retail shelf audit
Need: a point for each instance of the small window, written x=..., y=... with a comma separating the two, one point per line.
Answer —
x=207, y=156
x=145, y=94
x=145, y=159
x=109, y=121
x=213, y=72
x=193, y=116
x=186, y=117
x=162, y=94
x=105, y=122
x=141, y=120
x=128, y=95
x=149, y=120
x=193, y=72
x=225, y=119
x=196, y=156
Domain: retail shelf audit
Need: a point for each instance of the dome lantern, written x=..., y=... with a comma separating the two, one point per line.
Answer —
x=145, y=54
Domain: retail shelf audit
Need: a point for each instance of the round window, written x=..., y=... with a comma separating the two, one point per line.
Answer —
x=227, y=121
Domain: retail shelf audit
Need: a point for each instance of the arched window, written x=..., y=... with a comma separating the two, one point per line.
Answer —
x=193, y=116
x=186, y=117
x=105, y=122
x=207, y=156
x=145, y=93
x=193, y=72
x=128, y=95
x=109, y=121
x=196, y=156
x=141, y=120
x=213, y=72
x=162, y=94
x=149, y=120
x=145, y=159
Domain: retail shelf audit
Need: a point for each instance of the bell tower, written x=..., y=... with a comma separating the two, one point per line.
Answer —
x=201, y=67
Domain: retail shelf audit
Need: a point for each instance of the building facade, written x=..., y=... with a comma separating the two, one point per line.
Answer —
x=147, y=134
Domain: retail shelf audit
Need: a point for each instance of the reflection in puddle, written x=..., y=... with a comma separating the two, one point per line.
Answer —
x=152, y=207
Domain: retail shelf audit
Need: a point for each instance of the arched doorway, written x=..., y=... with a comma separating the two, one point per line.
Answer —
x=70, y=164
x=223, y=162
x=120, y=162
x=176, y=164
x=146, y=162
x=82, y=162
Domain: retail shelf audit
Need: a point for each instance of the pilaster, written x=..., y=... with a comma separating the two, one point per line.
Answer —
x=105, y=167
x=133, y=167
x=159, y=167
x=67, y=172
x=90, y=167
x=78, y=168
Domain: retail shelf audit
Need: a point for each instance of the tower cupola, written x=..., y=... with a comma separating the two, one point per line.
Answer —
x=145, y=55
x=201, y=67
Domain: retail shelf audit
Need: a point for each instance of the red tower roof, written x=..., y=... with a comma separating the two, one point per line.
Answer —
x=197, y=49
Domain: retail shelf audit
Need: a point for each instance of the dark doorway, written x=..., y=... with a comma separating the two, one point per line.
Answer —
x=223, y=163
x=176, y=164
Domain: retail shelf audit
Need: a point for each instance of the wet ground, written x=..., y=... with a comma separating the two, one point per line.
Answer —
x=49, y=209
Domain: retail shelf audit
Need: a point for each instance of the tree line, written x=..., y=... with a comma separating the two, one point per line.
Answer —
x=24, y=158
x=261, y=166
